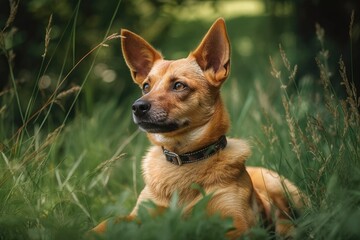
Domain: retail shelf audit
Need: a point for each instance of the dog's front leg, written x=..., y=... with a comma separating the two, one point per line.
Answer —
x=236, y=203
x=144, y=196
x=102, y=227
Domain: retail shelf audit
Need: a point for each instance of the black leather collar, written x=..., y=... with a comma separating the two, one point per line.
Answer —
x=190, y=157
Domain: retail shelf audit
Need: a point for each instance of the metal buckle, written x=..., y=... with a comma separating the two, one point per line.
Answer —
x=173, y=155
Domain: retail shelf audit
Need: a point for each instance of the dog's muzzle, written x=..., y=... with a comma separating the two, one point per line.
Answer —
x=152, y=119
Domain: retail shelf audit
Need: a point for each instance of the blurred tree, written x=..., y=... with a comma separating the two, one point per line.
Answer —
x=334, y=17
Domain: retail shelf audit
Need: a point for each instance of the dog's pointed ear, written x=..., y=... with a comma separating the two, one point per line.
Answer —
x=213, y=53
x=139, y=55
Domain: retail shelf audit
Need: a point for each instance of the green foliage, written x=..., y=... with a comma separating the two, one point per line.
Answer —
x=172, y=224
x=70, y=154
x=323, y=133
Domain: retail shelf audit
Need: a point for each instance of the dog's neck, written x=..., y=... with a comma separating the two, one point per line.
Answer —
x=196, y=137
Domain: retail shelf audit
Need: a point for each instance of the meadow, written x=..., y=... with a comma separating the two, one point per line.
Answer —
x=70, y=155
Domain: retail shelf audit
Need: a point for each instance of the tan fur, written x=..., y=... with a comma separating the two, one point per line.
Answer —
x=197, y=110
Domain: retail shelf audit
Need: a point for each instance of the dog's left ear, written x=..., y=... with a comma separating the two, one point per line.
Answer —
x=213, y=53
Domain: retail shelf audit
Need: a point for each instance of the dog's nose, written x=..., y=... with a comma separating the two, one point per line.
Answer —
x=140, y=107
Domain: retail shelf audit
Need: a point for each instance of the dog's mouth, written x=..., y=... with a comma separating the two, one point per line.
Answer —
x=154, y=119
x=157, y=127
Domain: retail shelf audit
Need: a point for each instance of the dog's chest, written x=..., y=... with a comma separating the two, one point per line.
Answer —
x=164, y=178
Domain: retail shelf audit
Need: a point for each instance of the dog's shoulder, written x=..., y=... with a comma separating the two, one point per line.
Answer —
x=229, y=164
x=237, y=150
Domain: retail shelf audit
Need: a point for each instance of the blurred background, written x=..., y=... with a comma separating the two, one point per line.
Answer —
x=70, y=154
x=256, y=28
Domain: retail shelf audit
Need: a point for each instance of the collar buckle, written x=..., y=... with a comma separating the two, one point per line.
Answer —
x=173, y=157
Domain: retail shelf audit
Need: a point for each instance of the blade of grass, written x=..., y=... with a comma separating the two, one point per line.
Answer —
x=73, y=169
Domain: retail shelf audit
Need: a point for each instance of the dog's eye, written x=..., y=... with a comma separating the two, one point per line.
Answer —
x=146, y=88
x=178, y=86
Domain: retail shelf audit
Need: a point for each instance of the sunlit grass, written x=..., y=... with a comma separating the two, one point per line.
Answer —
x=229, y=9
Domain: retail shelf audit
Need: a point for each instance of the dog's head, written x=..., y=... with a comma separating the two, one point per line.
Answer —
x=178, y=95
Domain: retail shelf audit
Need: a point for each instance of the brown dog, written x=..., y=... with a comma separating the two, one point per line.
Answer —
x=184, y=117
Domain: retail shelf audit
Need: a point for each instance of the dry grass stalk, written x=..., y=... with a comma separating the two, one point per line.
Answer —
x=288, y=65
x=331, y=102
x=329, y=96
x=270, y=133
x=51, y=137
x=47, y=36
x=286, y=101
x=312, y=136
x=293, y=74
x=346, y=116
x=292, y=128
x=111, y=37
x=65, y=94
x=274, y=72
x=114, y=36
x=324, y=74
x=352, y=99
x=284, y=58
x=351, y=23
x=13, y=10
x=320, y=33
x=265, y=102
x=68, y=92
x=106, y=165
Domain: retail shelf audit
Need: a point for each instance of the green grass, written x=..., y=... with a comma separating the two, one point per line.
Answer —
x=63, y=169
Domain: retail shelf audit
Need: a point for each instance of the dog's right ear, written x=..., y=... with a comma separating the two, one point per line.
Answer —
x=139, y=55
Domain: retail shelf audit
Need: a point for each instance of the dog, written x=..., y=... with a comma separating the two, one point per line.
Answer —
x=182, y=112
